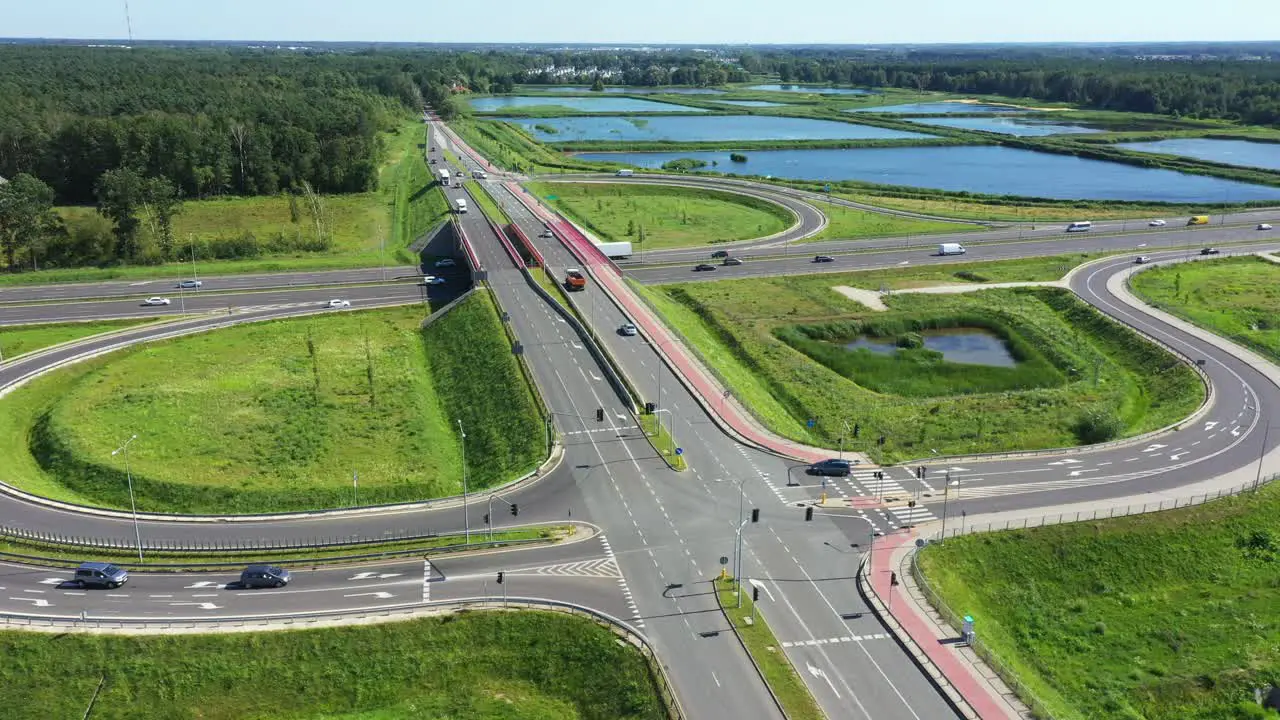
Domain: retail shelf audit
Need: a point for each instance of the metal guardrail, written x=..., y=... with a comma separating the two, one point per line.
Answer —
x=657, y=670
x=989, y=656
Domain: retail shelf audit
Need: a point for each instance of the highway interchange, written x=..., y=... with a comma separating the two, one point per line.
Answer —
x=660, y=534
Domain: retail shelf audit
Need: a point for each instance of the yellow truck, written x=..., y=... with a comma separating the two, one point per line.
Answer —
x=1198, y=220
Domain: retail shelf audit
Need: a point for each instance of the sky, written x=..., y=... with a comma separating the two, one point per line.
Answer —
x=649, y=21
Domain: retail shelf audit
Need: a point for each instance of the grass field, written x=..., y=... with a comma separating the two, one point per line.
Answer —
x=281, y=415
x=971, y=209
x=1237, y=298
x=18, y=339
x=1083, y=378
x=481, y=666
x=848, y=223
x=486, y=203
x=1167, y=616
x=764, y=648
x=655, y=217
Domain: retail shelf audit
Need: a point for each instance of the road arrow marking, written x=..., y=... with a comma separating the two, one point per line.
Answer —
x=1210, y=425
x=1235, y=431
x=373, y=576
x=1153, y=447
x=379, y=595
x=205, y=584
x=1076, y=473
x=201, y=605
x=817, y=672
x=1175, y=456
x=38, y=602
x=53, y=581
x=762, y=586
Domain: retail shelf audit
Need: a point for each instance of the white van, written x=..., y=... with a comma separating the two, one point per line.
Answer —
x=461, y=204
x=950, y=249
x=625, y=173
x=1084, y=226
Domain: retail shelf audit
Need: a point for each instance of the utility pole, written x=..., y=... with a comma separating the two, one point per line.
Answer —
x=466, y=516
x=137, y=534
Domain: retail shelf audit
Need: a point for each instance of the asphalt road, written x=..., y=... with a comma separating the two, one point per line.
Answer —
x=663, y=532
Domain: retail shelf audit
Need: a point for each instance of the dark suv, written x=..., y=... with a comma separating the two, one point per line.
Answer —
x=832, y=466
x=101, y=575
x=260, y=576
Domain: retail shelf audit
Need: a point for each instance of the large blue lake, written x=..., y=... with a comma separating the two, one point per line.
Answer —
x=694, y=129
x=1007, y=125
x=980, y=169
x=1231, y=152
x=812, y=89
x=939, y=108
x=624, y=90
x=585, y=104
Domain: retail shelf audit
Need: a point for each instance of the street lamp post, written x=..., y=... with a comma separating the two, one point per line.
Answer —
x=737, y=553
x=137, y=533
x=466, y=516
x=946, y=494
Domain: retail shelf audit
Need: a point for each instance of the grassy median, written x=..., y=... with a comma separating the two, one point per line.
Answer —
x=1073, y=376
x=1167, y=616
x=658, y=217
x=283, y=415
x=1237, y=298
x=17, y=340
x=486, y=666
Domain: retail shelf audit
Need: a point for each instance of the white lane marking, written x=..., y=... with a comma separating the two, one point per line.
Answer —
x=380, y=595
x=201, y=605
x=1153, y=447
x=205, y=584
x=53, y=581
x=817, y=672
x=373, y=576
x=38, y=602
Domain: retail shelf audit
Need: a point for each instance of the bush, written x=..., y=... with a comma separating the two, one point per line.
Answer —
x=737, y=157
x=684, y=164
x=1097, y=426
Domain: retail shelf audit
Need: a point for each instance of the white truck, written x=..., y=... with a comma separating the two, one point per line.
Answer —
x=950, y=249
x=625, y=173
x=461, y=204
x=615, y=250
x=444, y=177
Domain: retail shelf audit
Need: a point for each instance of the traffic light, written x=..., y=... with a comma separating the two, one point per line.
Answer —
x=893, y=578
x=500, y=574
x=755, y=515
x=649, y=408
x=911, y=503
x=755, y=593
x=486, y=518
x=599, y=414
x=808, y=513
x=515, y=509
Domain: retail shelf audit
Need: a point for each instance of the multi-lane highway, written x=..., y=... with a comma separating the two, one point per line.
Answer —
x=662, y=534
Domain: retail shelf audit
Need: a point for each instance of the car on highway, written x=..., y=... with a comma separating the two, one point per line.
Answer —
x=1210, y=251
x=337, y=303
x=720, y=254
x=433, y=280
x=446, y=262
x=627, y=329
x=1141, y=260
x=546, y=233
x=264, y=576
x=433, y=161
x=480, y=175
x=100, y=575
x=156, y=301
x=732, y=261
x=1157, y=223
x=704, y=267
x=823, y=258
x=831, y=466
x=1264, y=226
x=190, y=284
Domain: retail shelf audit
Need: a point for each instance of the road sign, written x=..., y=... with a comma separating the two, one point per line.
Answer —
x=679, y=451
x=826, y=188
x=811, y=422
x=553, y=197
x=724, y=560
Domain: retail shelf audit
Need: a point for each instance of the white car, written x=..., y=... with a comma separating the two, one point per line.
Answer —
x=445, y=262
x=1141, y=260
x=627, y=329
x=433, y=280
x=1264, y=226
x=1157, y=223
x=546, y=233
x=156, y=301
x=480, y=175
x=337, y=304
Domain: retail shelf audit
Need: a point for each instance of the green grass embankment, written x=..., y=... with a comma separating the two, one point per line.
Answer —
x=844, y=223
x=16, y=340
x=656, y=217
x=1080, y=378
x=281, y=415
x=487, y=204
x=1237, y=298
x=484, y=666
x=1167, y=616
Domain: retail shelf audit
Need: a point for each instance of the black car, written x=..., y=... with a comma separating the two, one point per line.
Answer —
x=260, y=576
x=703, y=267
x=823, y=258
x=831, y=466
x=720, y=254
x=1210, y=251
x=732, y=261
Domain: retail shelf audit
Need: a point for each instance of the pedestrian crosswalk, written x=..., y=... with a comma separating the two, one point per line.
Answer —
x=835, y=640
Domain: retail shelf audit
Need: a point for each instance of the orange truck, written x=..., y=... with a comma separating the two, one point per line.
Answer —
x=574, y=279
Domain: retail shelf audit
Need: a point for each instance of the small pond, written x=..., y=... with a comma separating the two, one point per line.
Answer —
x=971, y=346
x=711, y=128
x=1231, y=152
x=940, y=108
x=1007, y=125
x=584, y=104
x=812, y=89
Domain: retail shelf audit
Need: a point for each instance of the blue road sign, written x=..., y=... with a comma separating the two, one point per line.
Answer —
x=826, y=188
x=679, y=451
x=811, y=422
